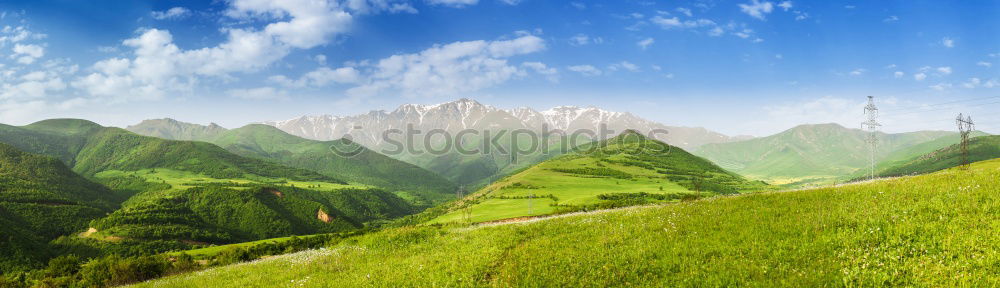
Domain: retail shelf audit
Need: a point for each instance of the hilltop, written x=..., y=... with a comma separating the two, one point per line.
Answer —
x=626, y=170
x=805, y=154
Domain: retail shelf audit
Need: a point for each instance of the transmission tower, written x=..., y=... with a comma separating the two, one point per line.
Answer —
x=965, y=126
x=871, y=125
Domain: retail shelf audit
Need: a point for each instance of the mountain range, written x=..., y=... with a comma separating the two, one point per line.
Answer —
x=454, y=116
x=465, y=114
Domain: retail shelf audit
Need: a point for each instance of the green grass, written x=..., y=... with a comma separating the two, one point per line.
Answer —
x=925, y=231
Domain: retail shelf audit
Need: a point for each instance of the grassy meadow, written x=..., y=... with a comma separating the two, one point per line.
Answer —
x=931, y=230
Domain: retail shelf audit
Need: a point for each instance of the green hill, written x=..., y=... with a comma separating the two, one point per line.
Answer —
x=41, y=199
x=184, y=193
x=422, y=187
x=622, y=171
x=807, y=154
x=980, y=148
x=926, y=231
x=363, y=165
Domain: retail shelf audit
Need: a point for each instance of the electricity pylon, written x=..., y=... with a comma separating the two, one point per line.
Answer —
x=871, y=125
x=965, y=126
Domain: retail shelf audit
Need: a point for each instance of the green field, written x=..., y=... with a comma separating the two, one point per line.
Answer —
x=932, y=230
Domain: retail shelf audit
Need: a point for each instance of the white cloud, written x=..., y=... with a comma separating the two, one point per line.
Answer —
x=984, y=64
x=944, y=70
x=645, y=43
x=857, y=72
x=583, y=39
x=511, y=2
x=27, y=53
x=674, y=22
x=972, y=83
x=453, y=3
x=785, y=5
x=920, y=76
x=585, y=70
x=941, y=86
x=891, y=18
x=715, y=32
x=375, y=6
x=629, y=66
x=321, y=77
x=898, y=74
x=445, y=70
x=757, y=9
x=171, y=14
x=684, y=11
x=948, y=42
x=158, y=66
x=551, y=72
x=261, y=93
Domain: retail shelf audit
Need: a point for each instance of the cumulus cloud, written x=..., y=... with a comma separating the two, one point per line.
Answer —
x=159, y=66
x=857, y=72
x=944, y=70
x=171, y=14
x=891, y=18
x=984, y=64
x=550, y=72
x=27, y=53
x=898, y=74
x=920, y=76
x=445, y=70
x=757, y=9
x=585, y=70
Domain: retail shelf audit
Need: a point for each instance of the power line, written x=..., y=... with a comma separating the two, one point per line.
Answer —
x=939, y=104
x=939, y=109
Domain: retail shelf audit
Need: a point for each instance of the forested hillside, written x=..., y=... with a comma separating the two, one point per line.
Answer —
x=41, y=199
x=173, y=194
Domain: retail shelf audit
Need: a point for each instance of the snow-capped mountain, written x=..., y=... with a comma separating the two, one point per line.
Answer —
x=455, y=116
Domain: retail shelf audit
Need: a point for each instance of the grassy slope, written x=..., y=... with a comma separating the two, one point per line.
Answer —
x=808, y=153
x=367, y=167
x=932, y=230
x=558, y=183
x=980, y=148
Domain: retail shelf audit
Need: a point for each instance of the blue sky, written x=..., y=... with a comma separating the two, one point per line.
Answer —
x=738, y=67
